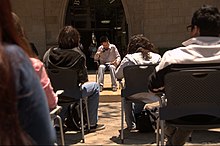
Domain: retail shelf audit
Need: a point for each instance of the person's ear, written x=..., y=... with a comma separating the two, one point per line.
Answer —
x=195, y=31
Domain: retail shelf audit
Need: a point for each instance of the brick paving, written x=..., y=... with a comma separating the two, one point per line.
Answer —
x=109, y=114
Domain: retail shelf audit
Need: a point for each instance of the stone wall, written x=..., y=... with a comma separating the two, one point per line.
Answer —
x=42, y=20
x=162, y=21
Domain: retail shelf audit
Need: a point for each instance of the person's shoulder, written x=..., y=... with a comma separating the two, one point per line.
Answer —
x=112, y=46
x=14, y=51
x=37, y=64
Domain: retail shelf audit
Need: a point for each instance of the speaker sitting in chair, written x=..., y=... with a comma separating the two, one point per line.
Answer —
x=69, y=56
x=108, y=57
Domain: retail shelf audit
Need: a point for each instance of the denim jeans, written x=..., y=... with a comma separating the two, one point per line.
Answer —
x=130, y=110
x=91, y=90
x=101, y=72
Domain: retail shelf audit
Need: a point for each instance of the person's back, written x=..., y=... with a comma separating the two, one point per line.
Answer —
x=32, y=104
x=38, y=65
x=25, y=117
x=68, y=59
x=69, y=56
x=203, y=47
x=140, y=52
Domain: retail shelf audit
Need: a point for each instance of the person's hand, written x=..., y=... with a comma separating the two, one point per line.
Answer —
x=114, y=63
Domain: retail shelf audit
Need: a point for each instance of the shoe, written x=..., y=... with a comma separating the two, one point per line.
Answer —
x=114, y=89
x=57, y=128
x=100, y=88
x=97, y=127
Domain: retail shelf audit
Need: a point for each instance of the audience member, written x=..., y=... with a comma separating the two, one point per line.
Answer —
x=39, y=68
x=24, y=114
x=67, y=55
x=203, y=47
x=109, y=58
x=140, y=51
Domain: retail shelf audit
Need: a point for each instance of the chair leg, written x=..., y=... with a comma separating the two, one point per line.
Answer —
x=87, y=113
x=190, y=137
x=61, y=130
x=162, y=132
x=158, y=131
x=82, y=122
x=122, y=119
x=96, y=76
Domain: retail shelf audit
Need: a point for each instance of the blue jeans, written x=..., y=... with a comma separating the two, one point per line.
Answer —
x=131, y=109
x=91, y=90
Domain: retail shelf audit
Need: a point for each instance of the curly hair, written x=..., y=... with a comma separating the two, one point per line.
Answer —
x=139, y=43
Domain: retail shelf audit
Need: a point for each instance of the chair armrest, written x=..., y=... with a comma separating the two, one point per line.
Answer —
x=56, y=110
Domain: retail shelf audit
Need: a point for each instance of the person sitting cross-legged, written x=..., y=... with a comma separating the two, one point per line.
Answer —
x=109, y=58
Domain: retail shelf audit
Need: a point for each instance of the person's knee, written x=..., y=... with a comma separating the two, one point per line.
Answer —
x=112, y=67
x=101, y=67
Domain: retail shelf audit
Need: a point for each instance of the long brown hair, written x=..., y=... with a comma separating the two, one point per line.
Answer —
x=139, y=43
x=11, y=132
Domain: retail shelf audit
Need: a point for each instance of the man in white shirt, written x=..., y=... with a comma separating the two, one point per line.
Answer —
x=202, y=48
x=109, y=58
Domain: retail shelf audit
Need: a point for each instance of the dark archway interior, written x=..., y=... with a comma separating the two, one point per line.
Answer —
x=94, y=18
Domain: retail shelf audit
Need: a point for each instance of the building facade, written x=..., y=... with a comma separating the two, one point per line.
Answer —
x=162, y=21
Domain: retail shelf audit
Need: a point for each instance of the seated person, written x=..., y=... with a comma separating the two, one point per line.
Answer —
x=25, y=118
x=38, y=66
x=67, y=55
x=109, y=58
x=140, y=51
x=203, y=47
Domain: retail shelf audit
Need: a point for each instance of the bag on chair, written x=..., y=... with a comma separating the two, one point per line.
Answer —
x=73, y=120
x=146, y=121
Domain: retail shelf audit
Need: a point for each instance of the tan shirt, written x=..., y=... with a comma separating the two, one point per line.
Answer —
x=108, y=55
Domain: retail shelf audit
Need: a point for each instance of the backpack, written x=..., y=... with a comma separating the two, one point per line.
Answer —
x=146, y=120
x=73, y=119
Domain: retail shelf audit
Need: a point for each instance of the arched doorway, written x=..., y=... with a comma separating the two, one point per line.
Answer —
x=94, y=18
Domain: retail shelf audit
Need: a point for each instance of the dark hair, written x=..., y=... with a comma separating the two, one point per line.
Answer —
x=103, y=39
x=11, y=132
x=139, y=43
x=207, y=18
x=68, y=38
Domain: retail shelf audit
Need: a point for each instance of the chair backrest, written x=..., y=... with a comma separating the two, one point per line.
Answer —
x=136, y=79
x=66, y=80
x=192, y=91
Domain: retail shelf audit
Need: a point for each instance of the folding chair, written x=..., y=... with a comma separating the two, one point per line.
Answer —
x=65, y=80
x=135, y=81
x=191, y=98
x=54, y=114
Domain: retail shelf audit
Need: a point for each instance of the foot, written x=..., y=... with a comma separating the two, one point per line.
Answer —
x=114, y=89
x=100, y=88
x=97, y=127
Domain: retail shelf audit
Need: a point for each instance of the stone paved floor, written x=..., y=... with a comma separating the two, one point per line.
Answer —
x=109, y=114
